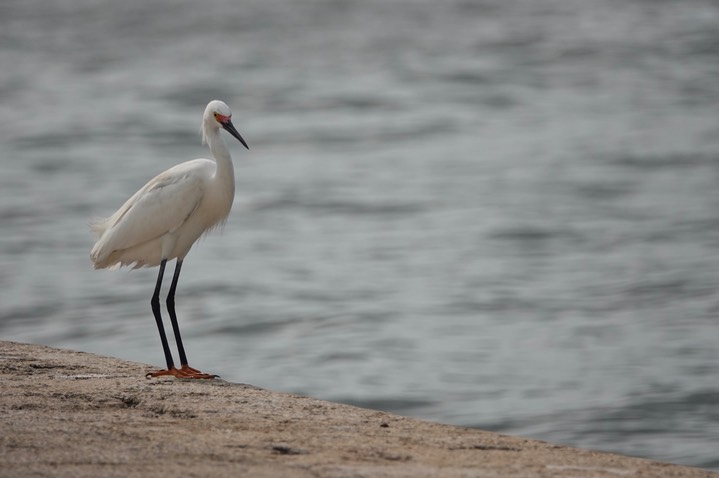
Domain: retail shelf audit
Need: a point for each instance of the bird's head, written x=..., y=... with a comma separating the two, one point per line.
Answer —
x=218, y=115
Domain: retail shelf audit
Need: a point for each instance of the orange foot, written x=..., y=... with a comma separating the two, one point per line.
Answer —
x=183, y=372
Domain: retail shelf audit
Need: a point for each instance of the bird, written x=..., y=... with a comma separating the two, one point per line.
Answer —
x=162, y=221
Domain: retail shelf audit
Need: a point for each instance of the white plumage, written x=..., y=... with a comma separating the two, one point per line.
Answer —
x=162, y=221
x=164, y=218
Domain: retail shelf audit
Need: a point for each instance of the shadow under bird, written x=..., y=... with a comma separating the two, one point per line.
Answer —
x=162, y=221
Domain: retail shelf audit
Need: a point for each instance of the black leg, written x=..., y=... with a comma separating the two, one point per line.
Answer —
x=155, y=302
x=173, y=316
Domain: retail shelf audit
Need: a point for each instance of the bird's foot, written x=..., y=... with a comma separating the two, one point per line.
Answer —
x=196, y=373
x=183, y=372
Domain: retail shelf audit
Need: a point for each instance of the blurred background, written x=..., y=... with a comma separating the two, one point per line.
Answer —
x=499, y=214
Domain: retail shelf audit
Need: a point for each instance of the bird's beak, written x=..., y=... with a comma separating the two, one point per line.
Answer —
x=230, y=128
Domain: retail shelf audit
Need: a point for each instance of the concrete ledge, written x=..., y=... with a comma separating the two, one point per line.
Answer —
x=73, y=414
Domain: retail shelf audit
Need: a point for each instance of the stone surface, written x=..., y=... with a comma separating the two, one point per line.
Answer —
x=73, y=414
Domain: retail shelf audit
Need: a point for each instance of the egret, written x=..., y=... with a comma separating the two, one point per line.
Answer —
x=162, y=221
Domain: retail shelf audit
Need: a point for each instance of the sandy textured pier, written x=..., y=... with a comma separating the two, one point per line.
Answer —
x=73, y=414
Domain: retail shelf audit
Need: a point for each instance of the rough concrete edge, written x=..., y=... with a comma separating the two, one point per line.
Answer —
x=64, y=355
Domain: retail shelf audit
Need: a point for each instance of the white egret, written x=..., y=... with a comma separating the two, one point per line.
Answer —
x=162, y=221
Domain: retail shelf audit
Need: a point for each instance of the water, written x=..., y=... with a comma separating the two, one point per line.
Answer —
x=499, y=214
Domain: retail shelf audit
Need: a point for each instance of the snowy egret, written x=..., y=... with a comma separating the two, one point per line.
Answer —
x=162, y=221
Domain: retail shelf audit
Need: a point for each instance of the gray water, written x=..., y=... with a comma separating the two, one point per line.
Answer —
x=499, y=214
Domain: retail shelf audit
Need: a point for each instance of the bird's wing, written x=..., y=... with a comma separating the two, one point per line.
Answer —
x=161, y=206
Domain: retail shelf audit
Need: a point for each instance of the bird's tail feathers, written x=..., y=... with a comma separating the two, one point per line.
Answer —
x=97, y=255
x=98, y=226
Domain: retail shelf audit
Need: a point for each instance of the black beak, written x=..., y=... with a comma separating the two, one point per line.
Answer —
x=230, y=128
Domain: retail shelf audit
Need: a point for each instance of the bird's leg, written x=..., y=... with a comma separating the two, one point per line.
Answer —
x=173, y=316
x=155, y=303
x=184, y=367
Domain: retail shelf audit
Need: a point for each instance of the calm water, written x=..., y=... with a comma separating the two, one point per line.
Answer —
x=499, y=214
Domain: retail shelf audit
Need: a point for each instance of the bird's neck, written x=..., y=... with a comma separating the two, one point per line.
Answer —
x=225, y=172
